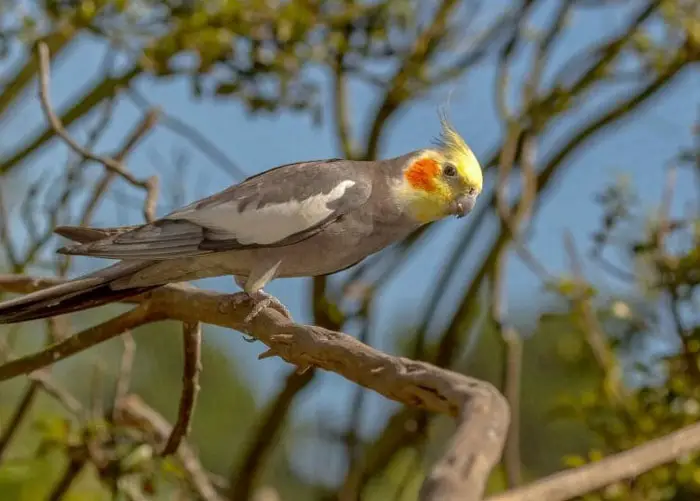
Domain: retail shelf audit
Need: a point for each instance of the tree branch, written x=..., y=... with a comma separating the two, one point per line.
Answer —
x=265, y=437
x=570, y=484
x=112, y=165
x=482, y=410
x=78, y=342
x=133, y=409
x=192, y=342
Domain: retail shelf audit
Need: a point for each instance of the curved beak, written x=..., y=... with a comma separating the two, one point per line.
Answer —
x=464, y=205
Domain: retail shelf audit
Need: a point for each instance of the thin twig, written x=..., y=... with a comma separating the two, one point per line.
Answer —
x=140, y=131
x=150, y=185
x=192, y=342
x=125, y=367
x=73, y=469
x=18, y=416
x=136, y=410
x=60, y=394
x=595, y=336
x=246, y=475
x=191, y=134
x=511, y=373
x=511, y=219
x=349, y=490
x=5, y=240
x=76, y=343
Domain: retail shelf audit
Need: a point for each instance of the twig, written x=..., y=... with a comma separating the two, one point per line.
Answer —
x=5, y=240
x=245, y=476
x=511, y=219
x=78, y=342
x=150, y=185
x=18, y=416
x=192, y=342
x=191, y=134
x=511, y=370
x=665, y=209
x=96, y=402
x=125, y=367
x=131, y=491
x=38, y=380
x=348, y=491
x=398, y=92
x=590, y=325
x=511, y=373
x=573, y=483
x=512, y=377
x=340, y=104
x=135, y=409
x=148, y=122
x=68, y=401
x=75, y=466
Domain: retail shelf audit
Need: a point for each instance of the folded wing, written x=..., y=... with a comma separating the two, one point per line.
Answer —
x=279, y=207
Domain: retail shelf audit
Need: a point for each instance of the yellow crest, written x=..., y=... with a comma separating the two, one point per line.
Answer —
x=454, y=148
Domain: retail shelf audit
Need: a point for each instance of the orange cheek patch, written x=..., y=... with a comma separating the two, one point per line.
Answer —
x=422, y=173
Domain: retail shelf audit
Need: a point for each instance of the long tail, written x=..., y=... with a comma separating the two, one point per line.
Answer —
x=82, y=293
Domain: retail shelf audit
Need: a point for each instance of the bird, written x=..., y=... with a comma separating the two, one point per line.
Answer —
x=304, y=219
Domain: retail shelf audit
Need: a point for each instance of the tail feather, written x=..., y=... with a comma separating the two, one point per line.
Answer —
x=84, y=235
x=80, y=294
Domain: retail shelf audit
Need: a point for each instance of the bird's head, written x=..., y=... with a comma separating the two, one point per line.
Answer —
x=441, y=181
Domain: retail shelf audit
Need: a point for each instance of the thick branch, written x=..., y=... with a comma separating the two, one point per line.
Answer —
x=482, y=410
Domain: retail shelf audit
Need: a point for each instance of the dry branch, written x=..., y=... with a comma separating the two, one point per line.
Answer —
x=150, y=185
x=133, y=409
x=192, y=343
x=482, y=410
x=18, y=414
x=55, y=390
x=570, y=484
x=125, y=368
x=476, y=446
x=265, y=436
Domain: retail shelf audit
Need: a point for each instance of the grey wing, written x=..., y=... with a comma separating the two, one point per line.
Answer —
x=279, y=207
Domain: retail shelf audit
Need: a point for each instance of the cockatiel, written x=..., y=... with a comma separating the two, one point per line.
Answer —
x=297, y=220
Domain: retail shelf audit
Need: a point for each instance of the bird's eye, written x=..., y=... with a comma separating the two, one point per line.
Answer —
x=449, y=170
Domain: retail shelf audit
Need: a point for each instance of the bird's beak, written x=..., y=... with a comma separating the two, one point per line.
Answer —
x=464, y=205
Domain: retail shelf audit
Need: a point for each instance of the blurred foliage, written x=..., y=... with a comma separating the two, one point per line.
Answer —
x=662, y=392
x=592, y=382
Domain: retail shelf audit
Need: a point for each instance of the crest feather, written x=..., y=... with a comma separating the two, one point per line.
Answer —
x=456, y=149
x=449, y=139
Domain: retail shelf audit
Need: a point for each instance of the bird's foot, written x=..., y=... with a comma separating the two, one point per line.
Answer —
x=260, y=300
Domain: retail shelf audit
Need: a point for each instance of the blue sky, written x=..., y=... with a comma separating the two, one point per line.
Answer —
x=640, y=148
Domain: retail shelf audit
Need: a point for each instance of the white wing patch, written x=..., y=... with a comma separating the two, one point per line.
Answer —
x=267, y=224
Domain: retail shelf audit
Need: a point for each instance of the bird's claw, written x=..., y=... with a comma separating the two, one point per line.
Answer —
x=262, y=300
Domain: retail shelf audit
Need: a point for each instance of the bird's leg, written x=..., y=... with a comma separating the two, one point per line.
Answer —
x=260, y=299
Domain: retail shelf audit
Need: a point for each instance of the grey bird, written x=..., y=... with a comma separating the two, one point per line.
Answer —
x=296, y=220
